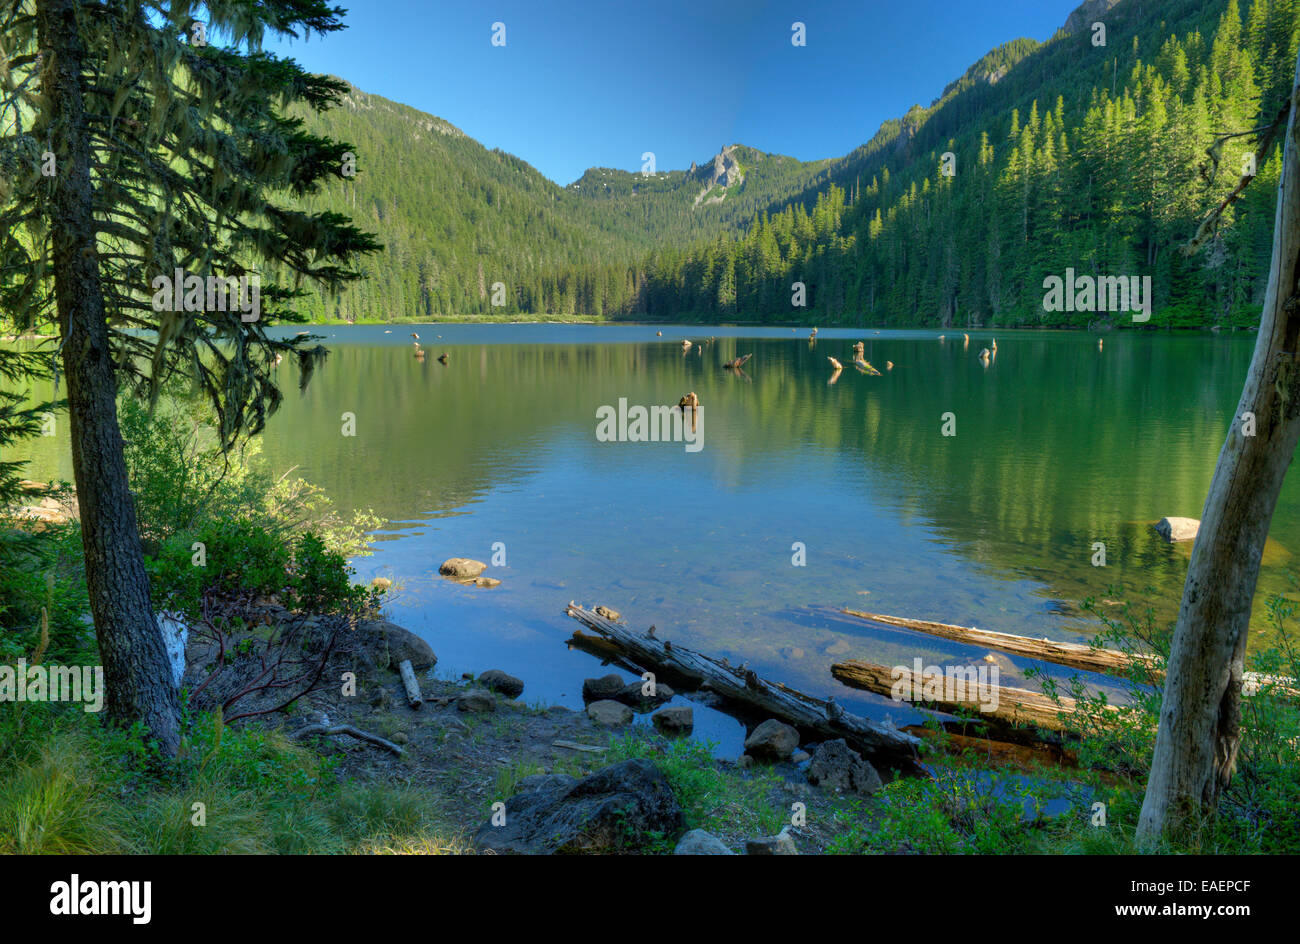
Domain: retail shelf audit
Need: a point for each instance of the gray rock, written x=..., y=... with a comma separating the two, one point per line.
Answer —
x=772, y=740
x=611, y=714
x=780, y=844
x=607, y=686
x=391, y=644
x=798, y=757
x=546, y=782
x=676, y=719
x=631, y=695
x=620, y=808
x=476, y=700
x=1174, y=530
x=501, y=682
x=838, y=767
x=462, y=568
x=699, y=842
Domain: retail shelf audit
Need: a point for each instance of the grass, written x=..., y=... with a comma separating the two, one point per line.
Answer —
x=77, y=788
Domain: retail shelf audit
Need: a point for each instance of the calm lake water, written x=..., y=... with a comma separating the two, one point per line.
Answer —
x=1058, y=445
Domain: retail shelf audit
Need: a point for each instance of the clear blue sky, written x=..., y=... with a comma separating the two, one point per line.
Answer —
x=587, y=83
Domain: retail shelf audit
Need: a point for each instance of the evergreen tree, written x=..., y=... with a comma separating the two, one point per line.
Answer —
x=134, y=146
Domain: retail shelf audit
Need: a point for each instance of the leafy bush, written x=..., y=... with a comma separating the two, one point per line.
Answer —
x=184, y=483
x=244, y=558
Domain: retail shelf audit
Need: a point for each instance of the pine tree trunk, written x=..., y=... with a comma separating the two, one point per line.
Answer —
x=137, y=672
x=1199, y=733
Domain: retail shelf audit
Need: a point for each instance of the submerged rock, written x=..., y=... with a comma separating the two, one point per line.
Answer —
x=462, y=568
x=620, y=808
x=677, y=719
x=1174, y=530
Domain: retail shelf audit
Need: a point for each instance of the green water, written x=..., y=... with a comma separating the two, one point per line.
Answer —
x=1058, y=445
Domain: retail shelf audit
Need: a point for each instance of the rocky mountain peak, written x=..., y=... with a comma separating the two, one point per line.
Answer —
x=1087, y=13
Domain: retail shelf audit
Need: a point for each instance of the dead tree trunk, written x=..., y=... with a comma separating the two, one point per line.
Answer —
x=137, y=673
x=1199, y=732
x=742, y=686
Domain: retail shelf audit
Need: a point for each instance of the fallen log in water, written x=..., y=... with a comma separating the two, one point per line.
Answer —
x=1000, y=706
x=1110, y=661
x=1073, y=654
x=741, y=685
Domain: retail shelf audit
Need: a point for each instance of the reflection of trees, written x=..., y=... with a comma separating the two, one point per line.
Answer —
x=1058, y=445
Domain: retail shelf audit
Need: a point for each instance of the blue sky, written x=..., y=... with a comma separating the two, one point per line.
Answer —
x=581, y=83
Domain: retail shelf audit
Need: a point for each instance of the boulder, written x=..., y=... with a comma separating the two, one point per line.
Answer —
x=678, y=719
x=772, y=740
x=619, y=808
x=838, y=767
x=780, y=844
x=699, y=842
x=462, y=568
x=1174, y=530
x=486, y=583
x=502, y=683
x=611, y=714
x=390, y=644
x=476, y=700
x=607, y=686
x=546, y=782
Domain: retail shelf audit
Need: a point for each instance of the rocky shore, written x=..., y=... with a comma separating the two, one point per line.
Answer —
x=511, y=777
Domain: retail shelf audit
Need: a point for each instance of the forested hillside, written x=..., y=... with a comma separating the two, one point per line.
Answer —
x=456, y=218
x=1067, y=155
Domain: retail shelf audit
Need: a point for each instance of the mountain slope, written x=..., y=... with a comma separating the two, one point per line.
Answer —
x=456, y=217
x=1067, y=155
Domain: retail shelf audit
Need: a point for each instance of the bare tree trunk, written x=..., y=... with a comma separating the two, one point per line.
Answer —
x=136, y=669
x=1199, y=733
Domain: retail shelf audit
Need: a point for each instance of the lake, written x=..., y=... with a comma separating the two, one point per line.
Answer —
x=1058, y=445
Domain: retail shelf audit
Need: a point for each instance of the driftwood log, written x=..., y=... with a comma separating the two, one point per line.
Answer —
x=411, y=683
x=1075, y=655
x=742, y=686
x=1015, y=707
